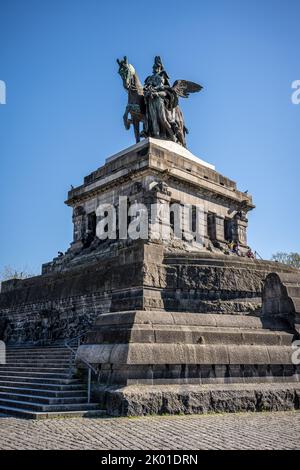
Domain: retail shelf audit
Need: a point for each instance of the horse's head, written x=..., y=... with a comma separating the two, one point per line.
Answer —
x=126, y=71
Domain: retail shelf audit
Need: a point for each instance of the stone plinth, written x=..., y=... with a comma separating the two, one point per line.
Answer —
x=143, y=347
x=155, y=171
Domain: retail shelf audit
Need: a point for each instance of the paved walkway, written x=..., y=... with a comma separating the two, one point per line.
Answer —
x=229, y=431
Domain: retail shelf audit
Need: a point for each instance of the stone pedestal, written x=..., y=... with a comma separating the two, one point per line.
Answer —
x=164, y=173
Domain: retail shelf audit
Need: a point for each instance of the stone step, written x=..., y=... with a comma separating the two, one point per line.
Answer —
x=36, y=406
x=37, y=349
x=22, y=413
x=38, y=356
x=56, y=387
x=40, y=399
x=34, y=364
x=29, y=360
x=45, y=392
x=25, y=373
x=39, y=383
x=35, y=368
x=205, y=335
x=45, y=380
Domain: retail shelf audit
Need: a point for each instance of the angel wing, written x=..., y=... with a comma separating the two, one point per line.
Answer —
x=183, y=88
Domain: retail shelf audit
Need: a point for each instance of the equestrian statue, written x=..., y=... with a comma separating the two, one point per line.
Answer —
x=156, y=104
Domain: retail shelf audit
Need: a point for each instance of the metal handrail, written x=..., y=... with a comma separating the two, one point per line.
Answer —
x=256, y=253
x=89, y=366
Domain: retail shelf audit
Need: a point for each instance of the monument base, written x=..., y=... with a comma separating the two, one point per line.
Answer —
x=165, y=312
x=180, y=362
x=189, y=399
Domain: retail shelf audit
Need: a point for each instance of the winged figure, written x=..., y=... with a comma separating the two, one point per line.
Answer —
x=183, y=88
x=156, y=103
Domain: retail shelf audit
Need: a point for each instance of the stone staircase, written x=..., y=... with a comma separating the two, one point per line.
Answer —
x=40, y=383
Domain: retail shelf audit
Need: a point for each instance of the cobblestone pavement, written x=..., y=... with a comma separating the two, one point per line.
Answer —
x=228, y=431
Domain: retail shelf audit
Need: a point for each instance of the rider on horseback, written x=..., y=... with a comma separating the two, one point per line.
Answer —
x=155, y=104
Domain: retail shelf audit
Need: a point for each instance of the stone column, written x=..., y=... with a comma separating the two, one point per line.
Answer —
x=158, y=198
x=220, y=235
x=239, y=228
x=79, y=223
x=206, y=238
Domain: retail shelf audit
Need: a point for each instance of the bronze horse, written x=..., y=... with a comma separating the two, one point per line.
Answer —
x=136, y=103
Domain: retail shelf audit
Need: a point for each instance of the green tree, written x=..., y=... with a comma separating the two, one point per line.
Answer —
x=292, y=259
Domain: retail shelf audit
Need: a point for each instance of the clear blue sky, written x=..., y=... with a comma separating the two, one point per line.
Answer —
x=65, y=103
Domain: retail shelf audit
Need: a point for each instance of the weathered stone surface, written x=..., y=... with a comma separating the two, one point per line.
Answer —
x=55, y=306
x=281, y=297
x=169, y=353
x=188, y=399
x=172, y=347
